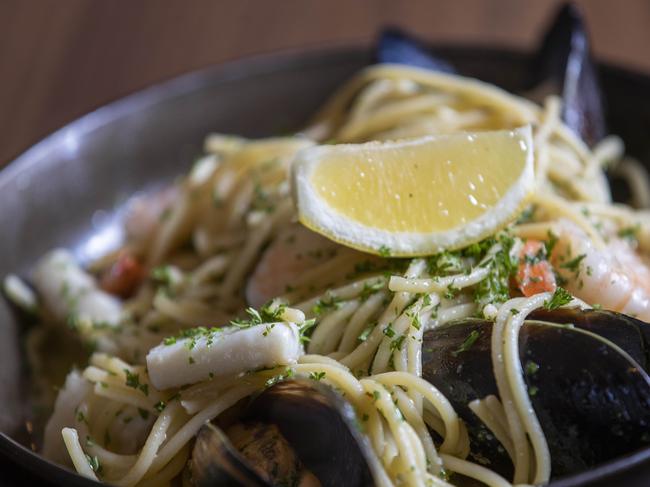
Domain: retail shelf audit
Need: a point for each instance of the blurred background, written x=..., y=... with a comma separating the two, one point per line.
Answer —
x=62, y=58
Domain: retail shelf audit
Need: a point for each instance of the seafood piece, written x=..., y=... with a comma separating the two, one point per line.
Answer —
x=396, y=47
x=295, y=252
x=218, y=352
x=592, y=398
x=146, y=211
x=124, y=276
x=628, y=333
x=69, y=292
x=251, y=454
x=288, y=418
x=564, y=65
x=71, y=394
x=614, y=277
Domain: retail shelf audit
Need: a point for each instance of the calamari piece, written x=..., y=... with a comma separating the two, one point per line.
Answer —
x=68, y=291
x=222, y=351
x=73, y=392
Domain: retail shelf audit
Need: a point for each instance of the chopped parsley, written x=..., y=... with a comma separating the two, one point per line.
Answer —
x=630, y=233
x=495, y=288
x=397, y=343
x=370, y=288
x=560, y=297
x=303, y=330
x=288, y=373
x=317, y=375
x=193, y=334
x=445, y=263
x=262, y=199
x=363, y=336
x=451, y=292
x=133, y=380
x=326, y=304
x=549, y=244
x=266, y=314
x=163, y=276
x=384, y=251
x=527, y=215
x=389, y=331
x=467, y=343
x=574, y=264
x=531, y=368
x=415, y=320
x=160, y=406
x=144, y=414
x=81, y=417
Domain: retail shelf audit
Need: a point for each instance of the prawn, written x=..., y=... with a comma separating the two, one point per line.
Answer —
x=615, y=277
x=296, y=258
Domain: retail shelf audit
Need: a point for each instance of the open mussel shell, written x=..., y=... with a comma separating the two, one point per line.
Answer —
x=591, y=397
x=630, y=334
x=319, y=425
x=215, y=461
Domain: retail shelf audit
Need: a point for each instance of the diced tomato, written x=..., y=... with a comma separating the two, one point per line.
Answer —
x=124, y=276
x=535, y=274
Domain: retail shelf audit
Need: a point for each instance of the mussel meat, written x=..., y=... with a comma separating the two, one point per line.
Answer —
x=585, y=376
x=296, y=432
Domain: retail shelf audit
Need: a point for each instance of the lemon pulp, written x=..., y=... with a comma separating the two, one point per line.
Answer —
x=421, y=186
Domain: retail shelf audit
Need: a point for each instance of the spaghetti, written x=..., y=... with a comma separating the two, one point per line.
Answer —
x=202, y=238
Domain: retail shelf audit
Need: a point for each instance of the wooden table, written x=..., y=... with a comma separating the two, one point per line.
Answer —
x=61, y=58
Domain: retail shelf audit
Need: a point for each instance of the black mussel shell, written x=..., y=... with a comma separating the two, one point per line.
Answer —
x=216, y=462
x=565, y=66
x=592, y=399
x=318, y=423
x=630, y=334
x=396, y=47
x=323, y=429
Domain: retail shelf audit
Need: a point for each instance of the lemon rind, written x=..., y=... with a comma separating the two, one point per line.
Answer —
x=318, y=216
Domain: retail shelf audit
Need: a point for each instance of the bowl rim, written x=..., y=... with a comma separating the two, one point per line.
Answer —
x=232, y=70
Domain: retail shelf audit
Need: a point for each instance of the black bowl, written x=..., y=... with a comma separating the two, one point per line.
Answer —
x=64, y=190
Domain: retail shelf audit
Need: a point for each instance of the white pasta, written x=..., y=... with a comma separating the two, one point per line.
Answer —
x=354, y=322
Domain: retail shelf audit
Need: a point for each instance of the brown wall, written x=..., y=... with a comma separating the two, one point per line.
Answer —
x=61, y=58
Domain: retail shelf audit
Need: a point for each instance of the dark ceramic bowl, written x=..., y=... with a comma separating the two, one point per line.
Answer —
x=63, y=191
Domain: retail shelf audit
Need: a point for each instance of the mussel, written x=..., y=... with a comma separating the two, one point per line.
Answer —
x=586, y=378
x=562, y=65
x=292, y=432
x=396, y=47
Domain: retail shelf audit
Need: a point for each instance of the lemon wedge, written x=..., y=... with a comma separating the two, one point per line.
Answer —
x=418, y=196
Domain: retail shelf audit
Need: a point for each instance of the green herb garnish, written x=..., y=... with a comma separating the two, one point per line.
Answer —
x=467, y=343
x=560, y=297
x=317, y=375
